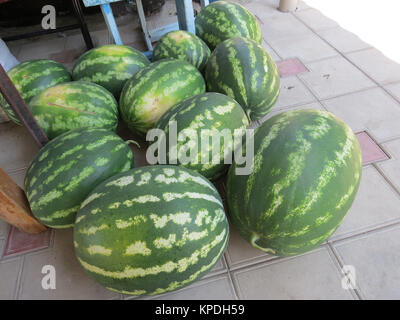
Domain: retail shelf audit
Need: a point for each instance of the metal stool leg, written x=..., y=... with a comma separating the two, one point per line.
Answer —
x=83, y=26
x=143, y=23
x=185, y=15
x=110, y=21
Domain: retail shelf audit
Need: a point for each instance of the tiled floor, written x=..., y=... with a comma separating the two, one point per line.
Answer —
x=323, y=66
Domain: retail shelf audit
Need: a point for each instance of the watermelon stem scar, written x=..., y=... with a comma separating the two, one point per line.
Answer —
x=134, y=142
x=254, y=238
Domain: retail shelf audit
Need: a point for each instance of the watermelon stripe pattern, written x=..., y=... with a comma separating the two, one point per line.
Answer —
x=68, y=168
x=32, y=77
x=184, y=46
x=74, y=105
x=151, y=230
x=243, y=70
x=155, y=89
x=223, y=20
x=109, y=66
x=211, y=114
x=292, y=203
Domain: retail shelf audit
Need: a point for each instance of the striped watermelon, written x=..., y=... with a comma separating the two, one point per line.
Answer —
x=109, y=66
x=155, y=89
x=243, y=70
x=223, y=20
x=210, y=111
x=69, y=167
x=74, y=105
x=182, y=45
x=306, y=173
x=32, y=77
x=151, y=230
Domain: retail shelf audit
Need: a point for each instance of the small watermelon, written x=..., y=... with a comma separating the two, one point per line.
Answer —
x=68, y=168
x=156, y=88
x=151, y=230
x=74, y=105
x=184, y=46
x=109, y=66
x=208, y=116
x=243, y=70
x=305, y=176
x=32, y=77
x=223, y=20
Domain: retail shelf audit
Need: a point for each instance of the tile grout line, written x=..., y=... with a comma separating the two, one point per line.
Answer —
x=348, y=60
x=339, y=261
x=17, y=290
x=386, y=178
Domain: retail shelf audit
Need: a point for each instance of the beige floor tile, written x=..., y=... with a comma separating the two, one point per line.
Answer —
x=391, y=167
x=4, y=227
x=271, y=51
x=376, y=65
x=293, y=92
x=333, y=77
x=9, y=271
x=17, y=147
x=376, y=261
x=277, y=109
x=372, y=110
x=307, y=48
x=216, y=288
x=240, y=252
x=71, y=280
x=40, y=49
x=376, y=203
x=315, y=19
x=281, y=26
x=343, y=40
x=394, y=89
x=313, y=275
x=18, y=177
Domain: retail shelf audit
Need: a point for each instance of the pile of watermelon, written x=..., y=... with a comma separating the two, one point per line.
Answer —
x=153, y=229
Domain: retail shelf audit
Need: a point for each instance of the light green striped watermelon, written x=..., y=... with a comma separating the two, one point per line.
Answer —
x=243, y=70
x=109, y=66
x=74, y=105
x=151, y=230
x=68, y=168
x=205, y=117
x=184, y=46
x=223, y=20
x=155, y=89
x=306, y=173
x=32, y=77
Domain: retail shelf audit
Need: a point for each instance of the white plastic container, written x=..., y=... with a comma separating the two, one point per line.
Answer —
x=7, y=59
x=288, y=5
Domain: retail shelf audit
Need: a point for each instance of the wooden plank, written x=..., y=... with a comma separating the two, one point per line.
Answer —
x=14, y=207
x=18, y=105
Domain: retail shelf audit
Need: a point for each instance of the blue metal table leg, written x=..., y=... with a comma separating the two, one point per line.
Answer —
x=143, y=23
x=185, y=15
x=111, y=25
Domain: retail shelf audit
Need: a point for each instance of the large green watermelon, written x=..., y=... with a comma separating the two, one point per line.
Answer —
x=151, y=230
x=205, y=117
x=223, y=20
x=74, y=105
x=109, y=66
x=32, y=77
x=69, y=167
x=155, y=89
x=306, y=173
x=182, y=45
x=243, y=70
